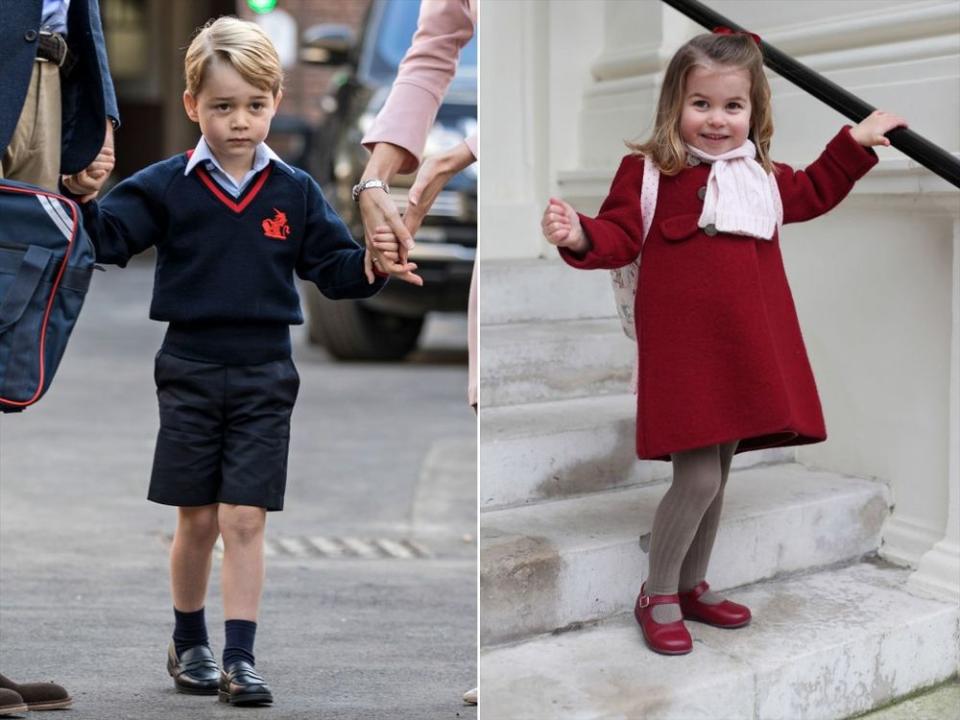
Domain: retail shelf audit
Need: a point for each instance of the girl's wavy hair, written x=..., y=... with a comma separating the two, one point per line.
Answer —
x=665, y=147
x=239, y=43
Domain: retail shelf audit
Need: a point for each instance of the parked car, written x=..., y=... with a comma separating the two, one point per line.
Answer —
x=387, y=326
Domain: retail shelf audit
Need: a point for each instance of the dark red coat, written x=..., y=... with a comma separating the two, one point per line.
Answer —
x=721, y=356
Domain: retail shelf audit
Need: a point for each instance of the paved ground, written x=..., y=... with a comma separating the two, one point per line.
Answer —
x=364, y=629
x=942, y=703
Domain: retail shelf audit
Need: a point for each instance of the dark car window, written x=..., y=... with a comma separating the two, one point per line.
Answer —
x=392, y=27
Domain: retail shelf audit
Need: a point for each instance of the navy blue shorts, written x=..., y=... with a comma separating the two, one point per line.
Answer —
x=224, y=432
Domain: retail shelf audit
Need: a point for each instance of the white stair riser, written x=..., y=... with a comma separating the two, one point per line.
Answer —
x=865, y=673
x=530, y=468
x=556, y=366
x=523, y=291
x=524, y=593
x=526, y=469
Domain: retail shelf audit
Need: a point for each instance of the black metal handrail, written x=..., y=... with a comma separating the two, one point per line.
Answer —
x=933, y=157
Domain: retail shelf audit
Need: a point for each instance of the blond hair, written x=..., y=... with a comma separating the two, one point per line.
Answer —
x=666, y=147
x=240, y=44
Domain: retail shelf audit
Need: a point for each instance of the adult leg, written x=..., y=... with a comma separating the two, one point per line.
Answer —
x=33, y=154
x=694, y=567
x=696, y=480
x=472, y=341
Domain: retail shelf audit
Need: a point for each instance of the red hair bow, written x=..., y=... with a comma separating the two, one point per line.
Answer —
x=723, y=30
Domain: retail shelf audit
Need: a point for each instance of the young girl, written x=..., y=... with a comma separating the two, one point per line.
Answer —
x=721, y=362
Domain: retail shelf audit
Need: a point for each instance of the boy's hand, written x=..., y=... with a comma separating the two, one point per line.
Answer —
x=88, y=182
x=875, y=126
x=561, y=227
x=388, y=247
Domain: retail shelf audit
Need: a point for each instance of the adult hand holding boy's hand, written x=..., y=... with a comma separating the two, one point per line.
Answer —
x=377, y=210
x=387, y=247
x=88, y=182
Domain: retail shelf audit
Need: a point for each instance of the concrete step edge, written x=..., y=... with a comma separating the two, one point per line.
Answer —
x=552, y=450
x=827, y=644
x=536, y=362
x=547, y=565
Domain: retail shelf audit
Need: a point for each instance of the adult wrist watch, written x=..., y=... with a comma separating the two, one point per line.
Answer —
x=366, y=185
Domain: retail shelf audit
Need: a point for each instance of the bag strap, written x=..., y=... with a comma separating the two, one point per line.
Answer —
x=32, y=266
x=648, y=194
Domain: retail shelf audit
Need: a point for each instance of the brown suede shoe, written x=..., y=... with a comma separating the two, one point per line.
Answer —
x=11, y=703
x=39, y=696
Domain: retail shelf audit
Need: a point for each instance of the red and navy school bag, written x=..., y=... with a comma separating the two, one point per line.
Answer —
x=46, y=260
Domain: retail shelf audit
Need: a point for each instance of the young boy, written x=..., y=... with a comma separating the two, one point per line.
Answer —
x=231, y=223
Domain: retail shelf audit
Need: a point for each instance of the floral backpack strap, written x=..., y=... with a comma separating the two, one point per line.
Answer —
x=625, y=278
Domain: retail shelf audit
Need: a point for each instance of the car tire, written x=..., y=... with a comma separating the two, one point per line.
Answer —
x=350, y=331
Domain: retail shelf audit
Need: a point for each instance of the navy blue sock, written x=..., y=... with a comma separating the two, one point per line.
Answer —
x=190, y=630
x=239, y=643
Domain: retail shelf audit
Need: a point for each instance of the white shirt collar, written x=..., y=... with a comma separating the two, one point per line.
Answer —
x=262, y=155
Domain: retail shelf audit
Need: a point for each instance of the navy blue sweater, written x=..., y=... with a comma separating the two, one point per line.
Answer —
x=224, y=275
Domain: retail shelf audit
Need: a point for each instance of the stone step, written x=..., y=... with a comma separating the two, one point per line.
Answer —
x=821, y=646
x=525, y=290
x=547, y=565
x=536, y=362
x=543, y=451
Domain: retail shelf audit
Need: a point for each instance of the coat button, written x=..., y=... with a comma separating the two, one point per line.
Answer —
x=702, y=192
x=710, y=229
x=30, y=35
x=693, y=160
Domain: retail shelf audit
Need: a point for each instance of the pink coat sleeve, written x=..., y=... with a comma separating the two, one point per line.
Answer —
x=425, y=73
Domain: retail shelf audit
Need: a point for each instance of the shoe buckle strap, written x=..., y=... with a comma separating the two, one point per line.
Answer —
x=643, y=601
x=699, y=589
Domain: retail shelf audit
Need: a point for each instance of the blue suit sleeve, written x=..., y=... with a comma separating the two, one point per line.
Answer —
x=109, y=94
x=128, y=220
x=329, y=256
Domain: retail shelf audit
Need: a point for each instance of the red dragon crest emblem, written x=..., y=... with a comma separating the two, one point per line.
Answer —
x=276, y=227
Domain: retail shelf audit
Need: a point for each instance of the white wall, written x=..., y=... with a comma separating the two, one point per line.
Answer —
x=535, y=66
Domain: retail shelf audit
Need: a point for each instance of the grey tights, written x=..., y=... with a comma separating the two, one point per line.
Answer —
x=685, y=525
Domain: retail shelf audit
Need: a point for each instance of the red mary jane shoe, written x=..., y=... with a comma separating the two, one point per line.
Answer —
x=726, y=614
x=665, y=638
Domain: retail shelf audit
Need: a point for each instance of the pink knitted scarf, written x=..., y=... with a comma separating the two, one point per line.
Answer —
x=741, y=198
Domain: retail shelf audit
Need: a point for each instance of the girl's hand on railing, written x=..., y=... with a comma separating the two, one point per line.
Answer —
x=561, y=227
x=873, y=129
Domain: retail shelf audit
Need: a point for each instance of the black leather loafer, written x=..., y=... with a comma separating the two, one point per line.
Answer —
x=194, y=672
x=240, y=684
